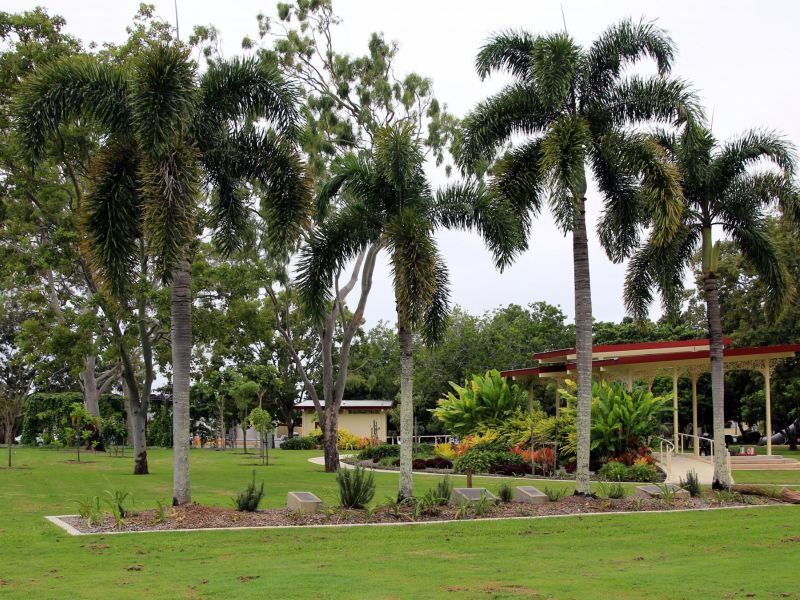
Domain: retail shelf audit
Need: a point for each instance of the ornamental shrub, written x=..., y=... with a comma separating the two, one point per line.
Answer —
x=641, y=472
x=249, y=499
x=356, y=487
x=305, y=442
x=375, y=453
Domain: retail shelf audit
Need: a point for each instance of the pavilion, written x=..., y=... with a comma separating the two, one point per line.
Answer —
x=645, y=361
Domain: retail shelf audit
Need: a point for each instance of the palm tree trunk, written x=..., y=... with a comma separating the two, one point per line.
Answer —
x=406, y=409
x=181, y=362
x=722, y=479
x=583, y=347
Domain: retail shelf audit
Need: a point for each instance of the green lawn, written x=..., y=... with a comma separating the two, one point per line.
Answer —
x=778, y=477
x=719, y=554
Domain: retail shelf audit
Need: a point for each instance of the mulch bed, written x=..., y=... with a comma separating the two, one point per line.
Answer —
x=195, y=516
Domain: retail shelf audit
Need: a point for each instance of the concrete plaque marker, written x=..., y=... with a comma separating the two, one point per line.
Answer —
x=656, y=491
x=529, y=495
x=305, y=501
x=472, y=494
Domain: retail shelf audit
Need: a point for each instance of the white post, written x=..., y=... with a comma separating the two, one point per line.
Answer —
x=675, y=404
x=768, y=395
x=696, y=442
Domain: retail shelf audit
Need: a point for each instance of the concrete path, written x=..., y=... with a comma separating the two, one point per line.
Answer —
x=683, y=463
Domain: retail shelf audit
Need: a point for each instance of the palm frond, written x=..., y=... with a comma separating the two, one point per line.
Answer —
x=413, y=256
x=329, y=247
x=250, y=89
x=435, y=319
x=638, y=99
x=758, y=248
x=399, y=159
x=737, y=155
x=65, y=90
x=471, y=205
x=162, y=99
x=556, y=59
x=518, y=178
x=111, y=219
x=507, y=50
x=624, y=43
x=228, y=215
x=170, y=188
x=517, y=109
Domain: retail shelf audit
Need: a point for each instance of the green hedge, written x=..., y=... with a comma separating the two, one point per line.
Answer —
x=47, y=412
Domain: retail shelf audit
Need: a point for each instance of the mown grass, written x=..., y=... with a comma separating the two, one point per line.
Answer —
x=720, y=554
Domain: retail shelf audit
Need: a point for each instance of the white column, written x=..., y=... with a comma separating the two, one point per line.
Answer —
x=696, y=442
x=675, y=405
x=768, y=395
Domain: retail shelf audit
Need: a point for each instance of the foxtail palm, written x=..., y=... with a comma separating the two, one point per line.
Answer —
x=166, y=133
x=386, y=202
x=576, y=107
x=720, y=193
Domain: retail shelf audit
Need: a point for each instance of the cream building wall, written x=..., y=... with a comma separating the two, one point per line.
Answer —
x=357, y=422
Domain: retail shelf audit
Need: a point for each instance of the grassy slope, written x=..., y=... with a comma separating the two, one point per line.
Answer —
x=689, y=555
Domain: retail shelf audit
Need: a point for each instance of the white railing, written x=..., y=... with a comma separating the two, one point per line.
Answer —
x=695, y=443
x=423, y=439
x=665, y=451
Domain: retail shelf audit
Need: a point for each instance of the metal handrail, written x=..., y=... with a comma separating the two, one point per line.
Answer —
x=670, y=450
x=695, y=443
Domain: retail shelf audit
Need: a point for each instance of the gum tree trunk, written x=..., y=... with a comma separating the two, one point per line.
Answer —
x=91, y=393
x=722, y=479
x=181, y=311
x=583, y=347
x=406, y=409
x=137, y=427
x=330, y=440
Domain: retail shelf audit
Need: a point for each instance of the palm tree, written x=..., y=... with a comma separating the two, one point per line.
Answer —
x=387, y=203
x=577, y=107
x=165, y=135
x=719, y=192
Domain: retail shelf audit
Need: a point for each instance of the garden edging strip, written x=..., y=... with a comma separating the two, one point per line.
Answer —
x=59, y=522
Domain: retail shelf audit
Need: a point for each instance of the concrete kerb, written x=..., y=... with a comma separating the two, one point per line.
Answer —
x=59, y=522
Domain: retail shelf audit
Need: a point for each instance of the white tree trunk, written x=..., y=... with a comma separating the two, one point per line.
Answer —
x=181, y=363
x=583, y=347
x=406, y=410
x=91, y=393
x=137, y=427
x=722, y=478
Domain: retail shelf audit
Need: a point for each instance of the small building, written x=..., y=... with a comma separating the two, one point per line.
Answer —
x=360, y=417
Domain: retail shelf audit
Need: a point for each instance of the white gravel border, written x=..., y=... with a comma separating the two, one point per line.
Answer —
x=59, y=521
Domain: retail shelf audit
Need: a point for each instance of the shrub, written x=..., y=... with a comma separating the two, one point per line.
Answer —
x=305, y=442
x=250, y=498
x=349, y=441
x=116, y=502
x=419, y=464
x=554, y=494
x=446, y=451
x=159, y=428
x=640, y=471
x=484, y=401
x=424, y=451
x=389, y=461
x=376, y=453
x=505, y=493
x=444, y=490
x=356, y=487
x=616, y=491
x=691, y=484
x=90, y=510
x=438, y=463
x=511, y=470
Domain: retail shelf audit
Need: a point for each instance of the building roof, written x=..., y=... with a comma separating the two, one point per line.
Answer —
x=355, y=404
x=649, y=358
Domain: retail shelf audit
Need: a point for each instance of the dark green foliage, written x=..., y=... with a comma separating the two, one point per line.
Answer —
x=305, y=442
x=159, y=428
x=443, y=490
x=617, y=471
x=554, y=494
x=47, y=413
x=616, y=491
x=379, y=452
x=691, y=484
x=479, y=460
x=356, y=487
x=505, y=492
x=249, y=499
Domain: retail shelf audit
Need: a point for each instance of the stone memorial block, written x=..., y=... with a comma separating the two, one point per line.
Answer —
x=529, y=495
x=305, y=501
x=471, y=494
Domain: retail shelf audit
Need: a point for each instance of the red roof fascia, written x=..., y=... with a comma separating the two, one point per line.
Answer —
x=627, y=347
x=534, y=370
x=731, y=352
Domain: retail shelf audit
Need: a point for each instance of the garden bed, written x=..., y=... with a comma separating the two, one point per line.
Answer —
x=559, y=475
x=195, y=516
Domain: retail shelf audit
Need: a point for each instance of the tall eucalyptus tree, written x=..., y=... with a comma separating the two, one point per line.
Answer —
x=576, y=109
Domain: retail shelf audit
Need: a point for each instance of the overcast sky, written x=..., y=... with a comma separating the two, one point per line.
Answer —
x=738, y=55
